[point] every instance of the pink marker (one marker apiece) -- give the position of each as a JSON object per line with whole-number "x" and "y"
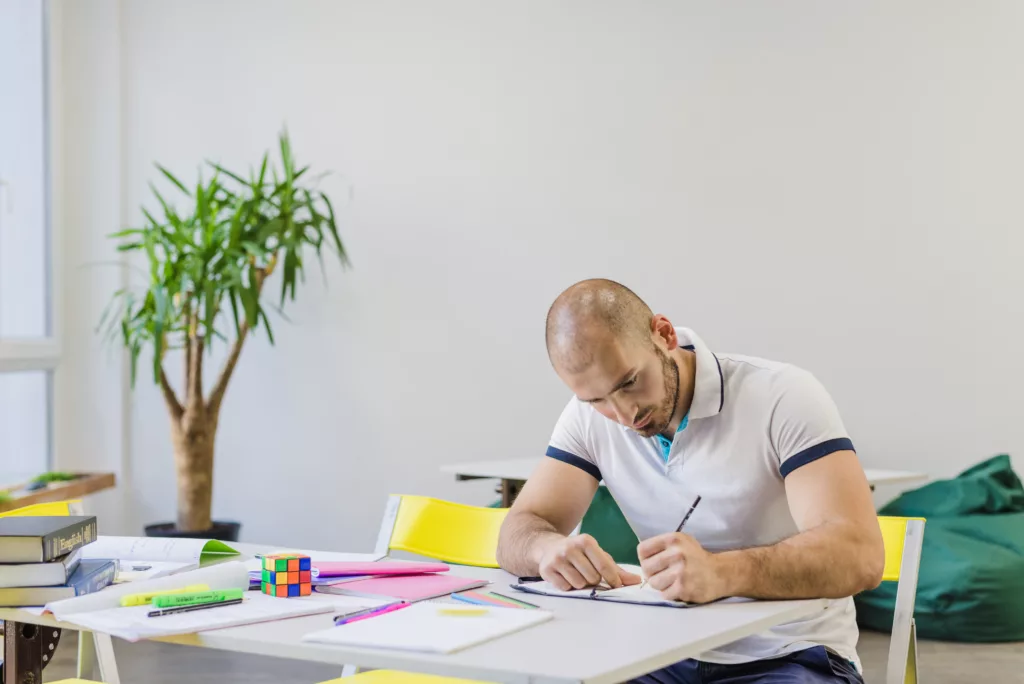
{"x": 391, "y": 607}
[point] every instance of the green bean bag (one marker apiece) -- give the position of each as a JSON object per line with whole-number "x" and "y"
{"x": 971, "y": 582}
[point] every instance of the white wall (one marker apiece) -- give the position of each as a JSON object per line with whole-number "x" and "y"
{"x": 832, "y": 185}
{"x": 90, "y": 417}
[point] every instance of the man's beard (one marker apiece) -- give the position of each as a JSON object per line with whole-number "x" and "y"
{"x": 662, "y": 416}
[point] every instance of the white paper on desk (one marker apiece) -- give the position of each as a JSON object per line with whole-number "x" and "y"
{"x": 151, "y": 549}
{"x": 332, "y": 556}
{"x": 230, "y": 575}
{"x": 133, "y": 624}
{"x": 632, "y": 594}
{"x": 424, "y": 628}
{"x": 128, "y": 572}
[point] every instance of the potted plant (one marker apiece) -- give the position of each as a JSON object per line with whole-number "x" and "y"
{"x": 208, "y": 264}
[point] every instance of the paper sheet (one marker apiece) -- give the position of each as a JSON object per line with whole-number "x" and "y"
{"x": 422, "y": 627}
{"x": 156, "y": 549}
{"x": 222, "y": 576}
{"x": 138, "y": 571}
{"x": 328, "y": 556}
{"x": 631, "y": 594}
{"x": 133, "y": 624}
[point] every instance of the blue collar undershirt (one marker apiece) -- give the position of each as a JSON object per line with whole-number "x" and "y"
{"x": 665, "y": 443}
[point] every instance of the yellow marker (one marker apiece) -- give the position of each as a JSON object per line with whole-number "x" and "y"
{"x": 145, "y": 599}
{"x": 468, "y": 612}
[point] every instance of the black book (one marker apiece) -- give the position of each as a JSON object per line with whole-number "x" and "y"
{"x": 31, "y": 539}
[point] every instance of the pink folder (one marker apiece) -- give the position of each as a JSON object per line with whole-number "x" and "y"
{"x": 404, "y": 587}
{"x": 358, "y": 568}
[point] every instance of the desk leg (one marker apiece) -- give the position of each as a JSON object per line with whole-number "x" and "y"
{"x": 27, "y": 649}
{"x": 105, "y": 658}
{"x": 509, "y": 491}
{"x": 86, "y": 655}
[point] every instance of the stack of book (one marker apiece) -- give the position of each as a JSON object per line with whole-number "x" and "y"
{"x": 41, "y": 560}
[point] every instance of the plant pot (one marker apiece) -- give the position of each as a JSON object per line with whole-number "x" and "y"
{"x": 221, "y": 531}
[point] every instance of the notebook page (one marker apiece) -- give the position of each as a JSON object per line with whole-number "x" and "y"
{"x": 423, "y": 627}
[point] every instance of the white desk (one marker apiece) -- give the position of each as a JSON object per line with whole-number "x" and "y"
{"x": 587, "y": 641}
{"x": 516, "y": 470}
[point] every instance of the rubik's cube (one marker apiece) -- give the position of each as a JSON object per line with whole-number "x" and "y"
{"x": 286, "y": 575}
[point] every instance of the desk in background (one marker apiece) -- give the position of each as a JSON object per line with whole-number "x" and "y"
{"x": 514, "y": 472}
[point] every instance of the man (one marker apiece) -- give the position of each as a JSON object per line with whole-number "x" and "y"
{"x": 785, "y": 509}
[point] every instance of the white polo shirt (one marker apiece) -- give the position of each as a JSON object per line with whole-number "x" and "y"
{"x": 751, "y": 423}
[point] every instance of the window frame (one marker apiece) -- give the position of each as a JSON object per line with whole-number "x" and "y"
{"x": 28, "y": 354}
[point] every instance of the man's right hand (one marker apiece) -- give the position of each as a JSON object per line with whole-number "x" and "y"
{"x": 577, "y": 562}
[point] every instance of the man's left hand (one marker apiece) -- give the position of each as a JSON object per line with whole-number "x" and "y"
{"x": 678, "y": 566}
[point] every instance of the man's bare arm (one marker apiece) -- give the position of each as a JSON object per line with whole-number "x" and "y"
{"x": 839, "y": 550}
{"x": 535, "y": 536}
{"x": 547, "y": 510}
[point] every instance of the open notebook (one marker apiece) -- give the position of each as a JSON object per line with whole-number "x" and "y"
{"x": 633, "y": 594}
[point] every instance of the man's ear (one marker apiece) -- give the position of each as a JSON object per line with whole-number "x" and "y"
{"x": 664, "y": 333}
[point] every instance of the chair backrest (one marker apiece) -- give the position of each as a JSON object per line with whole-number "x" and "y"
{"x": 446, "y": 531}
{"x": 54, "y": 508}
{"x": 902, "y": 538}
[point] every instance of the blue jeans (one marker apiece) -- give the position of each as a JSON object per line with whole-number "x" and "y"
{"x": 815, "y": 665}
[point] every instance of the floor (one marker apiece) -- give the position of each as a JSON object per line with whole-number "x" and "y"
{"x": 152, "y": 663}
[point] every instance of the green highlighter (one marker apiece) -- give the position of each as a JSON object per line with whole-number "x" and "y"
{"x": 195, "y": 598}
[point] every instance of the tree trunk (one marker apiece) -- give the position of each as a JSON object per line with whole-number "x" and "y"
{"x": 193, "y": 437}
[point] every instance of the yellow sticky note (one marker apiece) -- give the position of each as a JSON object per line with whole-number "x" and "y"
{"x": 462, "y": 612}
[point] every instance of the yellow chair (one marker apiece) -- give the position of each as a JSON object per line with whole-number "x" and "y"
{"x": 61, "y": 508}
{"x": 446, "y": 531}
{"x": 903, "y": 538}
{"x": 393, "y": 677}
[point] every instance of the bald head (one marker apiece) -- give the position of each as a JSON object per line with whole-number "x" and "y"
{"x": 590, "y": 313}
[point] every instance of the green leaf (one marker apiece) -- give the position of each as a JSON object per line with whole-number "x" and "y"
{"x": 233, "y": 298}
{"x": 333, "y": 228}
{"x": 233, "y": 176}
{"x": 170, "y": 177}
{"x": 286, "y": 158}
{"x": 266, "y": 322}
{"x": 210, "y": 306}
{"x": 263, "y": 170}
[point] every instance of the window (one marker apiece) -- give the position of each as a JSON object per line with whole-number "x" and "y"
{"x": 28, "y": 348}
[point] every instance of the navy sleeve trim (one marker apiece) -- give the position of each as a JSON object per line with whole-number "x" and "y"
{"x": 814, "y": 453}
{"x": 574, "y": 460}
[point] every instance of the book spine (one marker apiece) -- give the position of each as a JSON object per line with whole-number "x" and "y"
{"x": 67, "y": 540}
{"x": 97, "y": 580}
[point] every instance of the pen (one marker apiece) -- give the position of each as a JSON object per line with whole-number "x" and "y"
{"x": 688, "y": 513}
{"x": 680, "y": 528}
{"x": 187, "y": 609}
{"x": 530, "y": 579}
{"x": 362, "y": 615}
